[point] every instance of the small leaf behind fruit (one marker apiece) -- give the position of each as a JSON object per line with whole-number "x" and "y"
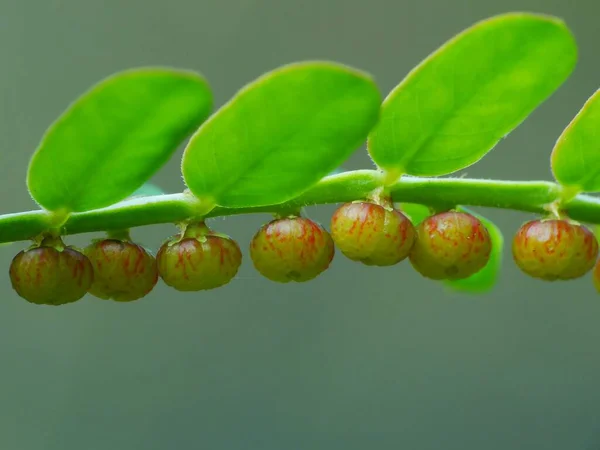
{"x": 115, "y": 137}
{"x": 463, "y": 99}
{"x": 484, "y": 280}
{"x": 281, "y": 134}
{"x": 415, "y": 212}
{"x": 576, "y": 155}
{"x": 146, "y": 190}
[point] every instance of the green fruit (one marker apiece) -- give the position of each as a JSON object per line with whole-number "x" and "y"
{"x": 372, "y": 234}
{"x": 554, "y": 249}
{"x": 198, "y": 260}
{"x": 49, "y": 276}
{"x": 123, "y": 271}
{"x": 450, "y": 246}
{"x": 291, "y": 249}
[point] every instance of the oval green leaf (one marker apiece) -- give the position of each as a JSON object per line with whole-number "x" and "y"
{"x": 281, "y": 134}
{"x": 463, "y": 99}
{"x": 484, "y": 280}
{"x": 576, "y": 155}
{"x": 115, "y": 137}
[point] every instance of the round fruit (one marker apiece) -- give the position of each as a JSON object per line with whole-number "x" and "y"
{"x": 554, "y": 249}
{"x": 372, "y": 234}
{"x": 123, "y": 271}
{"x": 198, "y": 260}
{"x": 47, "y": 276}
{"x": 291, "y": 249}
{"x": 450, "y": 246}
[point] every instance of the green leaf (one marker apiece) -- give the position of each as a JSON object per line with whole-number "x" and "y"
{"x": 484, "y": 280}
{"x": 336, "y": 171}
{"x": 576, "y": 155}
{"x": 281, "y": 134}
{"x": 596, "y": 230}
{"x": 115, "y": 137}
{"x": 463, "y": 99}
{"x": 415, "y": 212}
{"x": 146, "y": 190}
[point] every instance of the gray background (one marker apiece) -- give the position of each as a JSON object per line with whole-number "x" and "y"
{"x": 360, "y": 358}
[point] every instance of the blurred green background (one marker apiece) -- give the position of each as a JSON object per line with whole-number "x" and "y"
{"x": 361, "y": 358}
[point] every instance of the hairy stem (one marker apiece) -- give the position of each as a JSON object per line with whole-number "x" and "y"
{"x": 530, "y": 196}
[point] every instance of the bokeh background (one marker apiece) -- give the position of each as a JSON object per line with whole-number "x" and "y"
{"x": 360, "y": 358}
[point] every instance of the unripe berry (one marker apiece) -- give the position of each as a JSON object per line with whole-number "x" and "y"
{"x": 123, "y": 271}
{"x": 372, "y": 234}
{"x": 450, "y": 246}
{"x": 554, "y": 249}
{"x": 46, "y": 275}
{"x": 198, "y": 260}
{"x": 291, "y": 249}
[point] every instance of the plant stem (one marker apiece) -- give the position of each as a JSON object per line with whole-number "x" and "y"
{"x": 530, "y": 196}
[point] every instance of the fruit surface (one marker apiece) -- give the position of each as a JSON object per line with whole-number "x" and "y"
{"x": 372, "y": 234}
{"x": 554, "y": 249}
{"x": 291, "y": 249}
{"x": 123, "y": 271}
{"x": 199, "y": 263}
{"x": 47, "y": 276}
{"x": 450, "y": 246}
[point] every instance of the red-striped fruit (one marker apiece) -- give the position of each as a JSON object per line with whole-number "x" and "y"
{"x": 123, "y": 271}
{"x": 372, "y": 234}
{"x": 450, "y": 246}
{"x": 554, "y": 249}
{"x": 291, "y": 249}
{"x": 198, "y": 260}
{"x": 46, "y": 275}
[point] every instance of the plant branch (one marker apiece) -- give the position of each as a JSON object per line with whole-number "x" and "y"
{"x": 529, "y": 196}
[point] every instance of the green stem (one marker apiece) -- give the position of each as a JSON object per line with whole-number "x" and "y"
{"x": 530, "y": 196}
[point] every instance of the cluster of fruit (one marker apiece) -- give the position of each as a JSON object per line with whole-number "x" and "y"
{"x": 446, "y": 246}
